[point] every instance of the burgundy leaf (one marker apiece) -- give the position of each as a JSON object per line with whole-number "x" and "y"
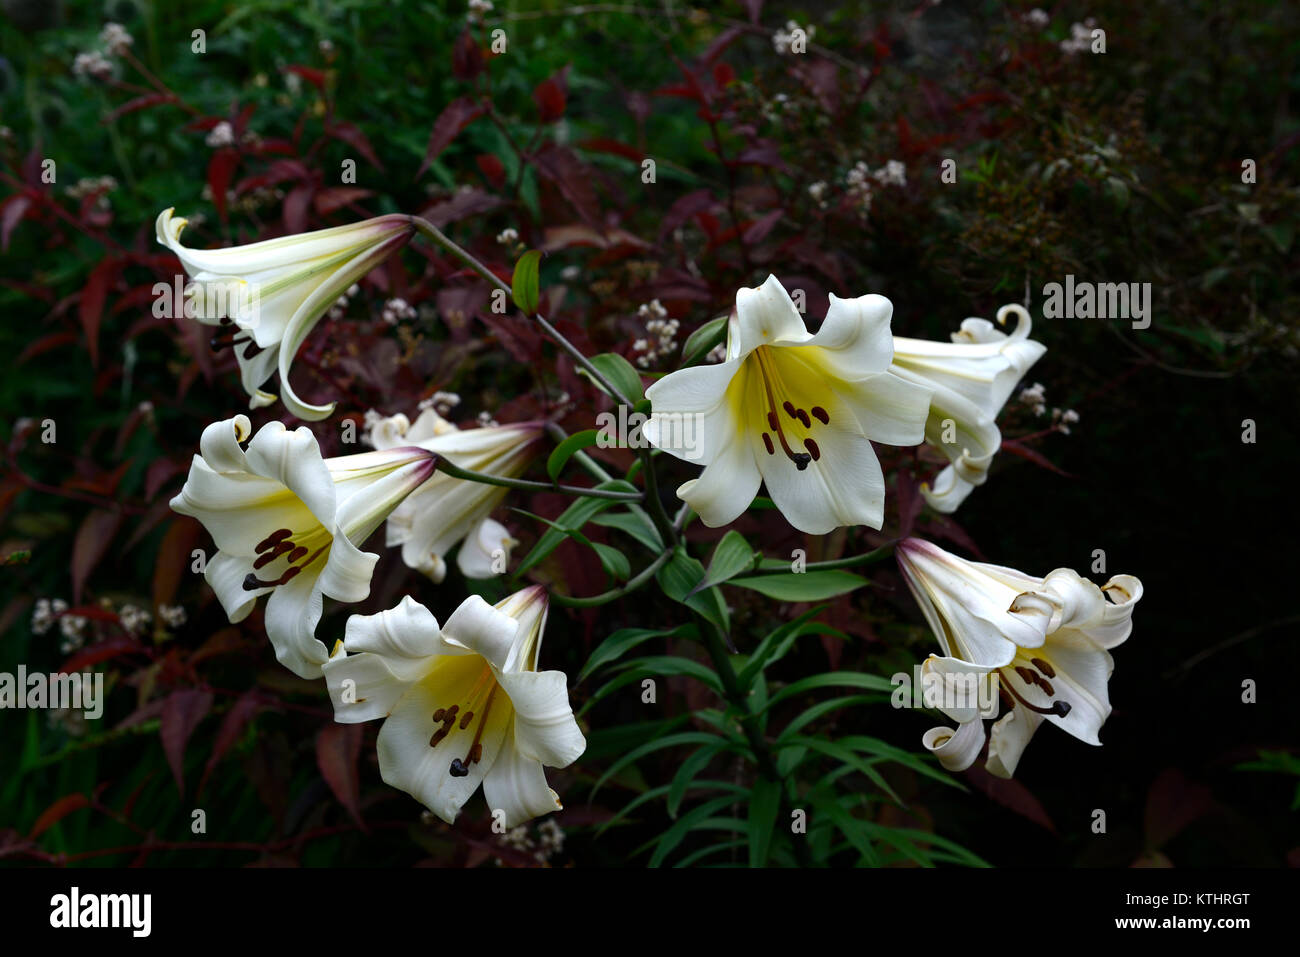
{"x": 57, "y": 812}
{"x": 232, "y": 725}
{"x": 338, "y": 746}
{"x": 15, "y": 208}
{"x": 181, "y": 714}
{"x": 457, "y": 115}
{"x": 353, "y": 136}
{"x": 93, "y": 538}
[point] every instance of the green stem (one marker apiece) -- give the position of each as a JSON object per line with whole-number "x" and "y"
{"x": 441, "y": 238}
{"x": 455, "y": 471}
{"x": 606, "y": 597}
{"x": 749, "y": 723}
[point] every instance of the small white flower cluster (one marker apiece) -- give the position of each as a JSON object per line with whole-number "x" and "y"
{"x": 1037, "y": 18}
{"x": 477, "y": 10}
{"x": 88, "y": 186}
{"x": 1080, "y": 37}
{"x": 395, "y": 310}
{"x": 72, "y": 720}
{"x": 717, "y": 353}
{"x": 858, "y": 180}
{"x": 93, "y": 63}
{"x": 72, "y": 627}
{"x": 819, "y": 191}
{"x": 115, "y": 38}
{"x": 1035, "y": 396}
{"x": 440, "y": 402}
{"x": 662, "y": 328}
{"x": 893, "y": 173}
{"x": 340, "y": 307}
{"x": 549, "y": 841}
{"x": 783, "y": 40}
{"x": 570, "y": 273}
{"x": 223, "y": 134}
{"x": 778, "y": 106}
{"x": 486, "y": 421}
{"x": 508, "y": 237}
{"x": 173, "y": 616}
{"x": 1062, "y": 420}
{"x": 134, "y": 619}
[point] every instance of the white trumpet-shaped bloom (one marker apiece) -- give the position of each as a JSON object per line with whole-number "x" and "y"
{"x": 1047, "y": 640}
{"x": 463, "y": 704}
{"x": 970, "y": 380}
{"x": 270, "y": 295}
{"x": 795, "y": 411}
{"x": 446, "y": 510}
{"x": 289, "y": 523}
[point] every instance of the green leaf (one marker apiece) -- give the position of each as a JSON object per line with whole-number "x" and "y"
{"x": 851, "y": 828}
{"x": 621, "y": 374}
{"x": 635, "y": 523}
{"x": 614, "y": 562}
{"x": 665, "y": 843}
{"x": 833, "y": 679}
{"x": 732, "y": 556}
{"x": 764, "y": 802}
{"x": 834, "y": 749}
{"x": 667, "y": 741}
{"x": 808, "y": 586}
{"x": 811, "y": 714}
{"x": 702, "y": 340}
{"x": 776, "y": 644}
{"x": 692, "y": 766}
{"x": 564, "y": 451}
{"x": 678, "y": 579}
{"x": 524, "y": 284}
{"x": 623, "y": 641}
{"x": 573, "y": 517}
{"x": 654, "y": 667}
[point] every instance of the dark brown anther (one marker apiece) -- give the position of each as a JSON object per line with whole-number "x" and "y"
{"x": 437, "y": 737}
{"x": 789, "y": 409}
{"x": 767, "y": 442}
{"x": 813, "y": 449}
{"x": 296, "y": 554}
{"x": 437, "y": 715}
{"x": 465, "y": 719}
{"x": 820, "y": 415}
{"x": 272, "y": 539}
{"x": 1029, "y": 676}
{"x": 271, "y": 554}
{"x": 1046, "y": 686}
{"x": 452, "y": 712}
{"x": 458, "y": 768}
{"x": 1043, "y": 666}
{"x": 803, "y": 417}
{"x": 771, "y": 421}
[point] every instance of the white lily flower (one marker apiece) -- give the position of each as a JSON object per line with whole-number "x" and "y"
{"x": 971, "y": 379}
{"x": 271, "y": 294}
{"x": 289, "y": 523}
{"x": 795, "y": 411}
{"x": 464, "y": 704}
{"x": 446, "y": 510}
{"x": 1046, "y": 639}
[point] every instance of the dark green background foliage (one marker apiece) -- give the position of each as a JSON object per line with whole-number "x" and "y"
{"x": 1122, "y": 167}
